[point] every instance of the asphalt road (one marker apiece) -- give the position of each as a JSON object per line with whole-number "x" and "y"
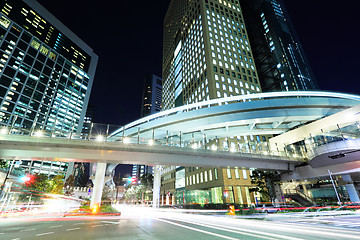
{"x": 161, "y": 226}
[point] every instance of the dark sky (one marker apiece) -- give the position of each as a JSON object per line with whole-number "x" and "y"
{"x": 127, "y": 37}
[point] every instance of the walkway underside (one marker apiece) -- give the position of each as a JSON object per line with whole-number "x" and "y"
{"x": 52, "y": 149}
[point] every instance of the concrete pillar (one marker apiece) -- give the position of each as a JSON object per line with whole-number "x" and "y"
{"x": 98, "y": 184}
{"x": 278, "y": 193}
{"x": 70, "y": 170}
{"x": 156, "y": 186}
{"x": 167, "y": 201}
{"x": 350, "y": 188}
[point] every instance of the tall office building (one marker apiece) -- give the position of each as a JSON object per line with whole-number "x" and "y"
{"x": 206, "y": 55}
{"x": 278, "y": 54}
{"x": 46, "y": 75}
{"x": 151, "y": 101}
{"x": 151, "y": 104}
{"x": 220, "y": 48}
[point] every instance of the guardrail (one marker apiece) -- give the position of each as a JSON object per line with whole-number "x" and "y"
{"x": 347, "y": 136}
{"x": 100, "y": 133}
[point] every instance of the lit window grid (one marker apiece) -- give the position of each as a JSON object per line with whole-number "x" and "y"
{"x": 228, "y": 52}
{"x": 67, "y": 105}
{"x": 194, "y": 58}
{"x": 195, "y": 65}
{"x": 42, "y": 29}
{"x": 49, "y": 168}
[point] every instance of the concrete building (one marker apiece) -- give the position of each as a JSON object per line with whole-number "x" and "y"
{"x": 207, "y": 55}
{"x": 46, "y": 75}
{"x": 212, "y": 50}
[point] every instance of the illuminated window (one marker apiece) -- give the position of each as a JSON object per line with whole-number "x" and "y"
{"x": 244, "y": 174}
{"x": 52, "y": 55}
{"x": 4, "y": 22}
{"x": 237, "y": 175}
{"x": 44, "y": 50}
{"x": 35, "y": 44}
{"x": 228, "y": 172}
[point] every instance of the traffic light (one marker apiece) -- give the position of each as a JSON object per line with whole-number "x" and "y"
{"x": 27, "y": 179}
{"x": 133, "y": 180}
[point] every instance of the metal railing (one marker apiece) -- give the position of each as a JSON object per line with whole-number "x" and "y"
{"x": 347, "y": 134}
{"x": 190, "y": 141}
{"x": 300, "y": 193}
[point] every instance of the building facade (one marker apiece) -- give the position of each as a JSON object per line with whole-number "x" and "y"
{"x": 278, "y": 54}
{"x": 151, "y": 104}
{"x": 207, "y": 55}
{"x": 151, "y": 101}
{"x": 210, "y": 54}
{"x": 46, "y": 75}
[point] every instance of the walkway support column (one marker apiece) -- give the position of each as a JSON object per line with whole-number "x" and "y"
{"x": 98, "y": 184}
{"x": 350, "y": 188}
{"x": 156, "y": 187}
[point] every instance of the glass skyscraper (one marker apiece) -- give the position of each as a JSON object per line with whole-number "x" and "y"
{"x": 221, "y": 48}
{"x": 46, "y": 74}
{"x": 278, "y": 54}
{"x": 151, "y": 104}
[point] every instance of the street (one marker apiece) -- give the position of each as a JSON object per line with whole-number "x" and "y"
{"x": 149, "y": 224}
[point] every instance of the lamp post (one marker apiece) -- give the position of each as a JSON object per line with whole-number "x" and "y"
{"x": 337, "y": 195}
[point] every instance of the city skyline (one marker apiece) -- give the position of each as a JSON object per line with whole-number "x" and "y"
{"x": 139, "y": 49}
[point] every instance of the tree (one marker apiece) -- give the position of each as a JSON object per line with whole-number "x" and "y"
{"x": 265, "y": 182}
{"x": 69, "y": 185}
{"x": 3, "y": 163}
{"x": 41, "y": 183}
{"x": 134, "y": 193}
{"x": 147, "y": 180}
{"x": 36, "y": 187}
{"x": 57, "y": 184}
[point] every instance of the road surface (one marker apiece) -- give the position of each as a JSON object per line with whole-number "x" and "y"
{"x": 146, "y": 224}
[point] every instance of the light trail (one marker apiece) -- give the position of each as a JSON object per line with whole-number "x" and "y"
{"x": 197, "y": 230}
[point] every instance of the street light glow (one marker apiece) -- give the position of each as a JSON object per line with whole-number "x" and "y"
{"x": 4, "y": 131}
{"x": 39, "y": 133}
{"x": 99, "y": 138}
{"x": 126, "y": 140}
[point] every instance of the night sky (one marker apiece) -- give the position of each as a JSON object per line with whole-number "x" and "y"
{"x": 127, "y": 37}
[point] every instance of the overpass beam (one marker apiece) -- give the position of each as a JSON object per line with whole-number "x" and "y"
{"x": 156, "y": 186}
{"x": 98, "y": 184}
